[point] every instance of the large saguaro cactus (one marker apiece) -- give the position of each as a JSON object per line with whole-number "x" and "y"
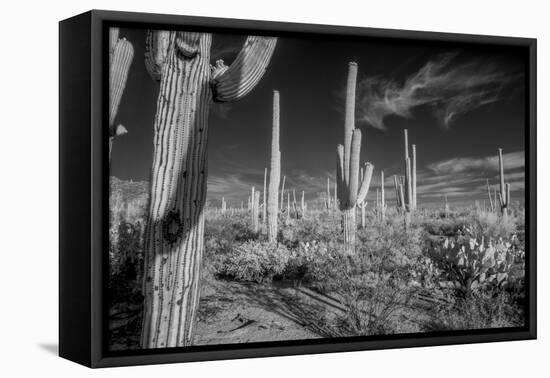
{"x": 121, "y": 54}
{"x": 274, "y": 175}
{"x": 180, "y": 61}
{"x": 347, "y": 166}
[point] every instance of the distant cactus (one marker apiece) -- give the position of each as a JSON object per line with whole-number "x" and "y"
{"x": 121, "y": 54}
{"x": 303, "y": 205}
{"x": 255, "y": 213}
{"x": 288, "y": 207}
{"x": 383, "y": 205}
{"x": 224, "y": 206}
{"x": 491, "y": 203}
{"x": 347, "y": 166}
{"x": 328, "y": 193}
{"x": 504, "y": 195}
{"x": 264, "y": 204}
{"x": 274, "y": 174}
{"x": 406, "y": 187}
{"x": 283, "y": 193}
{"x": 174, "y": 244}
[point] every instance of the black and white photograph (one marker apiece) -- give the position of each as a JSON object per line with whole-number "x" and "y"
{"x": 268, "y": 188}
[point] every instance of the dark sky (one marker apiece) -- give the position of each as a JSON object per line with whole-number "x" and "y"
{"x": 459, "y": 103}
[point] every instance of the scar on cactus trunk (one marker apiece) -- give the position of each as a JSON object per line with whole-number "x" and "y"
{"x": 174, "y": 235}
{"x": 347, "y": 166}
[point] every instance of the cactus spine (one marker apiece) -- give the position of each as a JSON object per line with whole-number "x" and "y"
{"x": 121, "y": 54}
{"x": 274, "y": 174}
{"x": 504, "y": 195}
{"x": 347, "y": 166}
{"x": 180, "y": 61}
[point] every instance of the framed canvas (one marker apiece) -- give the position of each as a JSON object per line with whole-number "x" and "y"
{"x": 233, "y": 188}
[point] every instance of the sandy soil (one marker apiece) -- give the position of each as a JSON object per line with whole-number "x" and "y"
{"x": 236, "y": 312}
{"x": 233, "y": 312}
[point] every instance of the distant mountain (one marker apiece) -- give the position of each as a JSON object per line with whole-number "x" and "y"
{"x": 130, "y": 190}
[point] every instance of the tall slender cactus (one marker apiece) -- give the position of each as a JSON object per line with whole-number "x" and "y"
{"x": 382, "y": 197}
{"x": 180, "y": 61}
{"x": 294, "y": 204}
{"x": 504, "y": 195}
{"x": 408, "y": 202}
{"x": 491, "y": 203}
{"x": 264, "y": 207}
{"x": 328, "y": 193}
{"x": 288, "y": 207}
{"x": 347, "y": 166}
{"x": 121, "y": 54}
{"x": 335, "y": 199}
{"x": 283, "y": 193}
{"x": 274, "y": 174}
{"x": 255, "y": 213}
{"x": 413, "y": 177}
{"x": 303, "y": 205}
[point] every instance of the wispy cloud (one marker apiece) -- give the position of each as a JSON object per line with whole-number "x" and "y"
{"x": 448, "y": 87}
{"x": 512, "y": 160}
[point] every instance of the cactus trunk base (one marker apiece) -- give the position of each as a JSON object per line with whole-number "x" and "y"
{"x": 407, "y": 220}
{"x": 349, "y": 227}
{"x": 172, "y": 287}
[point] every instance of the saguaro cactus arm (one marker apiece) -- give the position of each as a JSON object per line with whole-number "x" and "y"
{"x": 121, "y": 54}
{"x": 339, "y": 189}
{"x": 365, "y": 185}
{"x": 120, "y": 57}
{"x": 354, "y": 167}
{"x": 246, "y": 71}
{"x": 156, "y": 50}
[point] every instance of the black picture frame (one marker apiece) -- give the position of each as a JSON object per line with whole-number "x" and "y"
{"x": 83, "y": 196}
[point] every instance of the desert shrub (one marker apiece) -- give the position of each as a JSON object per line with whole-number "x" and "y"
{"x": 445, "y": 226}
{"x": 492, "y": 225}
{"x": 371, "y": 297}
{"x": 126, "y": 257}
{"x": 253, "y": 261}
{"x": 389, "y": 242}
{"x": 324, "y": 227}
{"x": 373, "y": 304}
{"x": 477, "y": 311}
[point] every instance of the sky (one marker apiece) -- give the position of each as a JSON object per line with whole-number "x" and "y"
{"x": 460, "y": 103}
